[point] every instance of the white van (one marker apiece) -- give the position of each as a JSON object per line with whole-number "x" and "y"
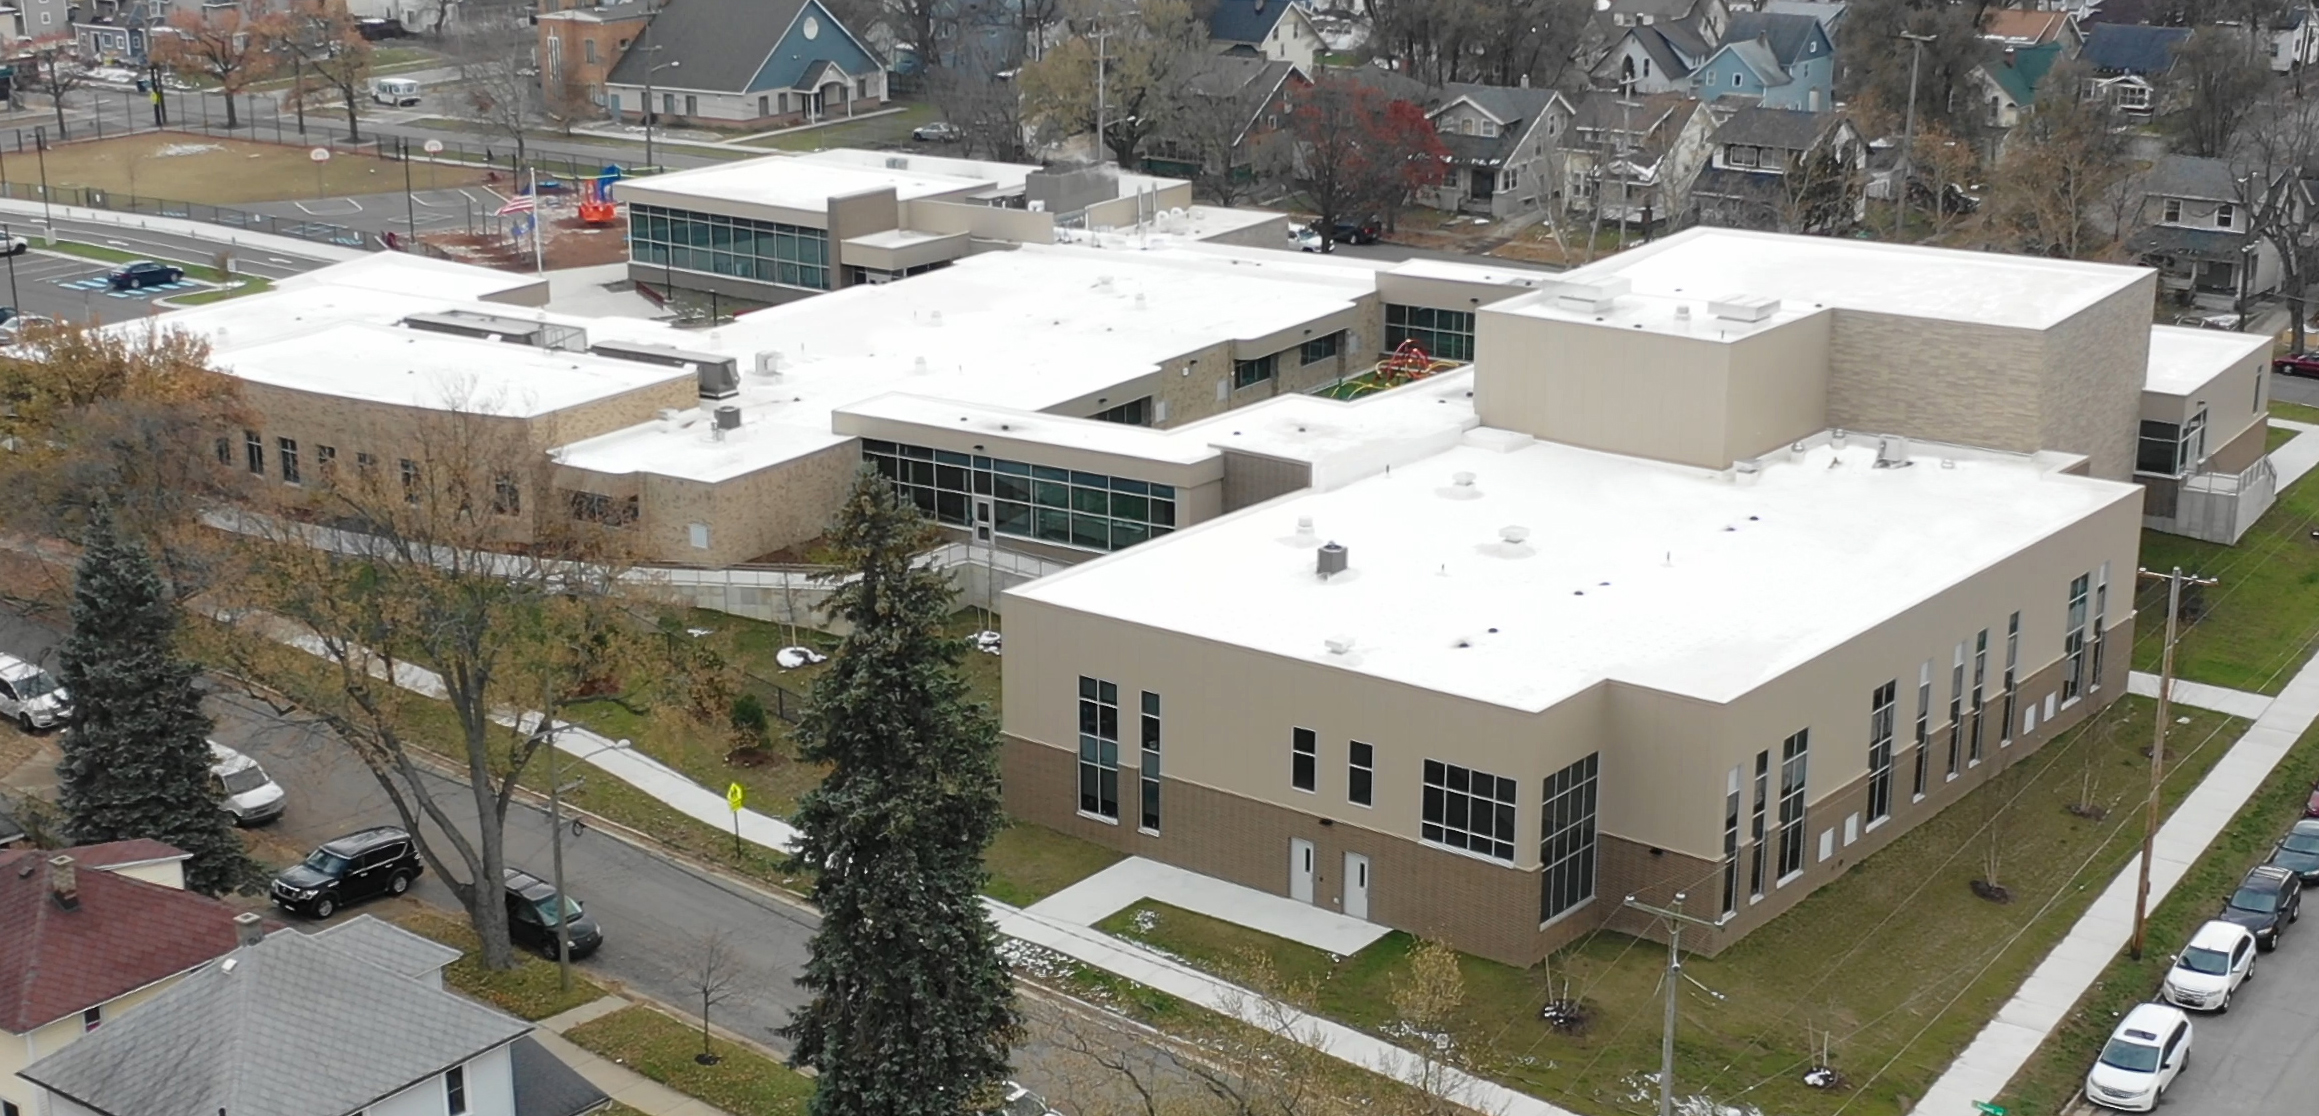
{"x": 399, "y": 92}
{"x": 31, "y": 697}
{"x": 251, "y": 797}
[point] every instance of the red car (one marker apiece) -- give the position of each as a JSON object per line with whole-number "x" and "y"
{"x": 2311, "y": 805}
{"x": 2297, "y": 364}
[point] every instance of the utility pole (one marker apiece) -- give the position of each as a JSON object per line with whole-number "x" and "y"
{"x": 1676, "y": 920}
{"x": 1101, "y": 34}
{"x": 1904, "y": 168}
{"x": 2174, "y": 583}
{"x": 1626, "y": 146}
{"x": 556, "y": 854}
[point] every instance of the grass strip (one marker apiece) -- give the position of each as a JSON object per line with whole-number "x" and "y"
{"x": 528, "y": 991}
{"x": 741, "y": 1081}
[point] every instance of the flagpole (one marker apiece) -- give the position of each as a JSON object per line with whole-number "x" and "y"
{"x": 539, "y": 255}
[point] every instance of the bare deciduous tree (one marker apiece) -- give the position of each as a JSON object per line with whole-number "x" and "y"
{"x": 217, "y": 44}
{"x": 709, "y": 974}
{"x": 494, "y": 59}
{"x": 325, "y": 40}
{"x": 2280, "y": 142}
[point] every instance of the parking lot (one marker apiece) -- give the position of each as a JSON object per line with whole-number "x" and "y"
{"x": 69, "y": 288}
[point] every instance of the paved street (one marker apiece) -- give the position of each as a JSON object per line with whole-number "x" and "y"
{"x": 2262, "y": 1058}
{"x": 2295, "y": 389}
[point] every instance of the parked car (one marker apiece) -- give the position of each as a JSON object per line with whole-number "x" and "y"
{"x": 2311, "y": 804}
{"x": 2297, "y": 364}
{"x": 2265, "y": 902}
{"x": 1308, "y": 240}
{"x": 531, "y": 915}
{"x": 244, "y": 788}
{"x": 358, "y": 866}
{"x": 1348, "y": 230}
{"x": 144, "y": 273}
{"x": 940, "y": 131}
{"x": 14, "y": 246}
{"x": 2219, "y": 319}
{"x": 2219, "y": 958}
{"x": 32, "y": 697}
{"x": 2298, "y": 851}
{"x": 395, "y": 91}
{"x": 1020, "y": 1102}
{"x": 2144, "y": 1055}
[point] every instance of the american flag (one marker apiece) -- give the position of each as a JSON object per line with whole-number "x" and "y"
{"x": 521, "y": 203}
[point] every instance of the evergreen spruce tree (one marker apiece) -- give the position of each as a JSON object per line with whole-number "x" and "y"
{"x": 913, "y": 1012}
{"x": 136, "y": 760}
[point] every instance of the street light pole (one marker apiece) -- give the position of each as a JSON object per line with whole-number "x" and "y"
{"x": 1676, "y": 920}
{"x": 650, "y": 52}
{"x": 410, "y": 208}
{"x": 1908, "y": 135}
{"x": 2174, "y": 583}
{"x": 8, "y": 243}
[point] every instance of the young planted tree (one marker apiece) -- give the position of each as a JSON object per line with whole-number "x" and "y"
{"x": 136, "y": 761}
{"x": 219, "y": 45}
{"x": 327, "y": 43}
{"x": 912, "y": 1013}
{"x": 53, "y": 80}
{"x": 496, "y": 78}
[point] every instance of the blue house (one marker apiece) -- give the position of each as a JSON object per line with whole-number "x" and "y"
{"x": 1783, "y": 60}
{"x": 746, "y": 63}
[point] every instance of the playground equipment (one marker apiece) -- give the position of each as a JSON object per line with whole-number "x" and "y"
{"x": 1407, "y": 363}
{"x": 596, "y": 206}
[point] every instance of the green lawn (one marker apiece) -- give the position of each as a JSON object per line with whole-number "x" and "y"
{"x": 2277, "y": 436}
{"x": 528, "y": 991}
{"x": 2295, "y": 411}
{"x": 890, "y": 130}
{"x": 2050, "y": 1078}
{"x": 2256, "y": 628}
{"x": 1030, "y": 862}
{"x": 1897, "y": 959}
{"x": 742, "y": 1082}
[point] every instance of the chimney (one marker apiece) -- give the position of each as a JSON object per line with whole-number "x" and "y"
{"x": 249, "y": 929}
{"x": 64, "y": 882}
{"x": 2008, "y": 56}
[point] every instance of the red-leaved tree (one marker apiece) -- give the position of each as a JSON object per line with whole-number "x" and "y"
{"x": 1353, "y": 151}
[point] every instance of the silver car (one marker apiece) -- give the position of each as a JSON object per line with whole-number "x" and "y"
{"x": 32, "y": 697}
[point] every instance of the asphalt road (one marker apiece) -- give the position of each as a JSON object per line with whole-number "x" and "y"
{"x": 2295, "y": 389}
{"x": 2262, "y": 1057}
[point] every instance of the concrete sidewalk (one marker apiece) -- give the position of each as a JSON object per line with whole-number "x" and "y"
{"x": 1135, "y": 879}
{"x": 623, "y": 1085}
{"x": 2199, "y": 695}
{"x": 2298, "y": 455}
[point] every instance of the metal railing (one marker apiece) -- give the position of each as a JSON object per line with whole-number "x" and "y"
{"x": 90, "y": 197}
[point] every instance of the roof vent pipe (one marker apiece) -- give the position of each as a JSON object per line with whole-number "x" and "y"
{"x": 1304, "y": 525}
{"x": 1892, "y": 452}
{"x": 1513, "y": 535}
{"x": 1462, "y": 480}
{"x": 728, "y": 418}
{"x": 1330, "y": 560}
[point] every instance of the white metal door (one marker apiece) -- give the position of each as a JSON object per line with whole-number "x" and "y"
{"x": 982, "y": 521}
{"x": 1300, "y": 856}
{"x": 1357, "y": 886}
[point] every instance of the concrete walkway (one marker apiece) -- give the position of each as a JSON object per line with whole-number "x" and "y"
{"x": 2199, "y": 695}
{"x": 2298, "y": 455}
{"x": 1135, "y": 879}
{"x": 623, "y": 1085}
{"x": 2003, "y": 1046}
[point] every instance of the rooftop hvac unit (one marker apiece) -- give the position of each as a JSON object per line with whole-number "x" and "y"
{"x": 1591, "y": 297}
{"x": 728, "y": 418}
{"x": 1744, "y": 308}
{"x": 495, "y": 327}
{"x": 1891, "y": 452}
{"x": 720, "y": 378}
{"x": 1330, "y": 560}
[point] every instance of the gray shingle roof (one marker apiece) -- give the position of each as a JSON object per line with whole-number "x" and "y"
{"x": 1785, "y": 32}
{"x": 722, "y": 43}
{"x": 1792, "y": 129}
{"x": 2123, "y": 48}
{"x": 1762, "y": 59}
{"x": 545, "y": 1086}
{"x": 388, "y": 946}
{"x": 1244, "y": 21}
{"x": 2197, "y": 244}
{"x": 2188, "y": 176}
{"x": 290, "y": 1026}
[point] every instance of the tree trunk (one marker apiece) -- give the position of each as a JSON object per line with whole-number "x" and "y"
{"x": 485, "y": 906}
{"x": 353, "y": 127}
{"x": 232, "y": 121}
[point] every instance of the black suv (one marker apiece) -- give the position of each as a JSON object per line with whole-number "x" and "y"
{"x": 381, "y": 861}
{"x": 2265, "y": 902}
{"x": 531, "y": 915}
{"x": 2298, "y": 851}
{"x": 144, "y": 273}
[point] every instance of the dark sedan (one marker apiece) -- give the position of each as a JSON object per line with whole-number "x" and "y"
{"x": 144, "y": 273}
{"x": 2265, "y": 902}
{"x": 532, "y": 912}
{"x": 2298, "y": 851}
{"x": 1347, "y": 231}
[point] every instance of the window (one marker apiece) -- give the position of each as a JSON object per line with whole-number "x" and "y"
{"x": 1923, "y": 727}
{"x": 2159, "y": 449}
{"x": 1151, "y": 762}
{"x": 2173, "y": 211}
{"x": 1303, "y": 759}
{"x": 1566, "y": 853}
{"x": 2012, "y": 682}
{"x": 1361, "y": 775}
{"x": 2073, "y": 641}
{"x": 366, "y": 465}
{"x": 1247, "y": 373}
{"x": 714, "y": 244}
{"x": 410, "y": 473}
{"x": 1980, "y": 681}
{"x": 668, "y": 103}
{"x": 1739, "y": 155}
{"x": 286, "y": 449}
{"x": 1066, "y": 507}
{"x": 1443, "y": 334}
{"x": 1320, "y": 348}
{"x": 1735, "y": 81}
{"x": 92, "y": 1019}
{"x": 764, "y": 106}
{"x": 2225, "y": 216}
{"x": 2101, "y": 614}
{"x": 2131, "y": 96}
{"x": 1134, "y": 412}
{"x": 1880, "y": 705}
{"x": 506, "y": 495}
{"x": 697, "y": 535}
{"x": 1731, "y": 842}
{"x": 2191, "y": 454}
{"x": 326, "y": 463}
{"x": 1956, "y": 709}
{"x": 588, "y": 51}
{"x": 1755, "y": 829}
{"x": 692, "y": 105}
{"x": 1099, "y": 748}
{"x": 254, "y": 449}
{"x": 1793, "y": 755}
{"x": 1468, "y": 809}
{"x": 595, "y": 507}
{"x": 455, "y": 1078}
{"x": 225, "y": 451}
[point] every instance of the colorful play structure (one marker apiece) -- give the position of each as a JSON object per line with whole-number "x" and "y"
{"x": 1407, "y": 363}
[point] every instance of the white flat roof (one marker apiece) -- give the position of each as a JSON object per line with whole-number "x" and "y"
{"x": 791, "y": 182}
{"x": 899, "y": 238}
{"x": 435, "y": 371}
{"x": 2026, "y": 292}
{"x": 2183, "y": 360}
{"x": 1673, "y": 315}
{"x": 1678, "y": 578}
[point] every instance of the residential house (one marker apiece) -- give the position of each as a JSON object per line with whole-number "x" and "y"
{"x": 1233, "y": 102}
{"x": 1765, "y": 171}
{"x": 2007, "y": 85}
{"x": 1635, "y": 159}
{"x": 80, "y": 946}
{"x": 738, "y": 63}
{"x": 2294, "y": 37}
{"x": 354, "y": 1020}
{"x": 1651, "y": 58}
{"x": 578, "y": 46}
{"x": 2193, "y": 228}
{"x": 1277, "y": 29}
{"x": 2016, "y": 27}
{"x": 1780, "y": 60}
{"x": 1830, "y": 13}
{"x": 1503, "y": 144}
{"x": 2128, "y": 61}
{"x": 1689, "y": 29}
{"x": 1706, "y": 17}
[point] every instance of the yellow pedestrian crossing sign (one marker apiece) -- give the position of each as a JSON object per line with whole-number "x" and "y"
{"x": 734, "y": 796}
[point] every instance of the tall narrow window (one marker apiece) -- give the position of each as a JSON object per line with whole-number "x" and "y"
{"x": 1923, "y": 729}
{"x": 506, "y": 495}
{"x": 455, "y": 1091}
{"x": 2012, "y": 677}
{"x": 410, "y": 474}
{"x": 2073, "y": 641}
{"x": 1151, "y": 762}
{"x": 1731, "y": 842}
{"x": 1880, "y": 705}
{"x": 1980, "y": 682}
{"x": 1755, "y": 834}
{"x": 225, "y": 457}
{"x": 2101, "y": 619}
{"x": 1099, "y": 748}
{"x": 1566, "y": 853}
{"x": 1361, "y": 775}
{"x": 1793, "y": 754}
{"x": 326, "y": 463}
{"x": 1303, "y": 759}
{"x": 255, "y": 448}
{"x": 286, "y": 451}
{"x": 1468, "y": 809}
{"x": 1956, "y": 710}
